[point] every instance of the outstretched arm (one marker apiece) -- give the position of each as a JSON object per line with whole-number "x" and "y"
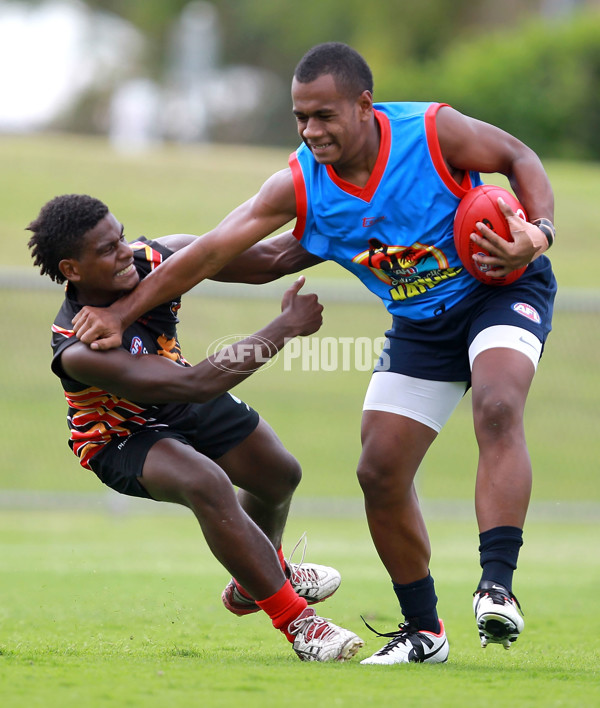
{"x": 469, "y": 144}
{"x": 268, "y": 260}
{"x": 273, "y": 207}
{"x": 149, "y": 378}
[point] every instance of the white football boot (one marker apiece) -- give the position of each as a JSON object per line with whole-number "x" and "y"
{"x": 498, "y": 614}
{"x": 318, "y": 639}
{"x": 313, "y": 582}
{"x": 412, "y": 646}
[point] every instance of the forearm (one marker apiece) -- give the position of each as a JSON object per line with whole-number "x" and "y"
{"x": 153, "y": 379}
{"x": 156, "y": 380}
{"x": 532, "y": 186}
{"x": 150, "y": 378}
{"x": 234, "y": 363}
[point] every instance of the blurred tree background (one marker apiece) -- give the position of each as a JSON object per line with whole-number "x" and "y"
{"x": 529, "y": 66}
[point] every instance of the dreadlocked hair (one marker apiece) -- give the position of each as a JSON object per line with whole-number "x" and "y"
{"x": 59, "y": 228}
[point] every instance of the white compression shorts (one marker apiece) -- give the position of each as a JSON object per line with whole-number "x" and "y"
{"x": 432, "y": 402}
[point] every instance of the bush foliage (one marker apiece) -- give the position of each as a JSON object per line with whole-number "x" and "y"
{"x": 541, "y": 83}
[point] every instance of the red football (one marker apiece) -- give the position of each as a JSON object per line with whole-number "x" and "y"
{"x": 481, "y": 204}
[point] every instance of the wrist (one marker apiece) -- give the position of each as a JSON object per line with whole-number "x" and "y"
{"x": 548, "y": 230}
{"x": 121, "y": 312}
{"x": 287, "y": 326}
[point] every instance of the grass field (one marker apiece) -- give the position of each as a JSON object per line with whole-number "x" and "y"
{"x": 121, "y": 607}
{"x": 103, "y": 610}
{"x": 316, "y": 413}
{"x": 190, "y": 188}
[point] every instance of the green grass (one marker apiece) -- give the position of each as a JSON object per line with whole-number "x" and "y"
{"x": 190, "y": 188}
{"x": 316, "y": 413}
{"x": 124, "y": 610}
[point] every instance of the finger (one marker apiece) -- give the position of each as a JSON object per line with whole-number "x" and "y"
{"x": 106, "y": 343}
{"x": 78, "y": 321}
{"x": 489, "y": 240}
{"x": 290, "y": 294}
{"x": 505, "y": 209}
{"x": 297, "y": 284}
{"x": 498, "y": 272}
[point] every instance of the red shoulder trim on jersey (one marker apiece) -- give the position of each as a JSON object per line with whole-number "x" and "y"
{"x": 436, "y": 154}
{"x": 366, "y": 193}
{"x": 301, "y": 200}
{"x": 152, "y": 256}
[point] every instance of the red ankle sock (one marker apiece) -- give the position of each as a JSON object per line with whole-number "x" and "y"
{"x": 281, "y": 559}
{"x": 283, "y": 607}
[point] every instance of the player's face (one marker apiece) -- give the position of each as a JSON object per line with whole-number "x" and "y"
{"x": 331, "y": 124}
{"x": 105, "y": 268}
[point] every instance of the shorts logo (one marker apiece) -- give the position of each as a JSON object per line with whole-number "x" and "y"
{"x": 137, "y": 346}
{"x": 522, "y": 308}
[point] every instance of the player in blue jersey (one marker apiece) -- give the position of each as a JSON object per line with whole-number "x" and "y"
{"x": 375, "y": 188}
{"x": 150, "y": 425}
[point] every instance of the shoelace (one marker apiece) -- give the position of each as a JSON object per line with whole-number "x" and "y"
{"x": 300, "y": 574}
{"x": 297, "y": 572}
{"x": 302, "y": 538}
{"x": 499, "y": 597}
{"x": 313, "y": 627}
{"x": 405, "y": 631}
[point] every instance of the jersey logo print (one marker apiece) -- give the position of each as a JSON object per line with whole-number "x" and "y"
{"x": 169, "y": 347}
{"x": 410, "y": 270}
{"x": 371, "y": 221}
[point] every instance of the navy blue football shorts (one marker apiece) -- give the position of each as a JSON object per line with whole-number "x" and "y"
{"x": 437, "y": 348}
{"x": 211, "y": 428}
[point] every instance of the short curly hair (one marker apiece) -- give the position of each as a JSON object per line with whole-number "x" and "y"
{"x": 351, "y": 72}
{"x": 59, "y": 228}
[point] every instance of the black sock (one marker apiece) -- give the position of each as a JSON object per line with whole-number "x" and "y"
{"x": 498, "y": 554}
{"x": 418, "y": 603}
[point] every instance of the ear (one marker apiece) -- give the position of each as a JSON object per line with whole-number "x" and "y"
{"x": 69, "y": 267}
{"x": 365, "y": 104}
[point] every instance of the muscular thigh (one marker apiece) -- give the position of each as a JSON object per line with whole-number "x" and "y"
{"x": 260, "y": 463}
{"x": 174, "y": 470}
{"x": 401, "y": 417}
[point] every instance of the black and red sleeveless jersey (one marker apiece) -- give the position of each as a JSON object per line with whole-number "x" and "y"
{"x": 95, "y": 417}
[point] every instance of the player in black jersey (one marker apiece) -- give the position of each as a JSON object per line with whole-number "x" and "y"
{"x": 150, "y": 425}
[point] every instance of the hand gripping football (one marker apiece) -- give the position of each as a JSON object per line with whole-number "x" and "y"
{"x": 481, "y": 204}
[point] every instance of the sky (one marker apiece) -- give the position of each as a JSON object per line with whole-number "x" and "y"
{"x": 50, "y": 53}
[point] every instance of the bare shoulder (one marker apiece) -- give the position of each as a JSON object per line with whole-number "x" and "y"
{"x": 454, "y": 128}
{"x": 471, "y": 144}
{"x": 277, "y": 193}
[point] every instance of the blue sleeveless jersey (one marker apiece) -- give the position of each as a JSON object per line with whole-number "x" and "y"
{"x": 395, "y": 233}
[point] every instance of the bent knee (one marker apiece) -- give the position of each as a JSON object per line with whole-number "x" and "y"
{"x": 283, "y": 480}
{"x": 382, "y": 482}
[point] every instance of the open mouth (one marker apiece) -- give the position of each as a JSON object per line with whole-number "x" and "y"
{"x": 125, "y": 271}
